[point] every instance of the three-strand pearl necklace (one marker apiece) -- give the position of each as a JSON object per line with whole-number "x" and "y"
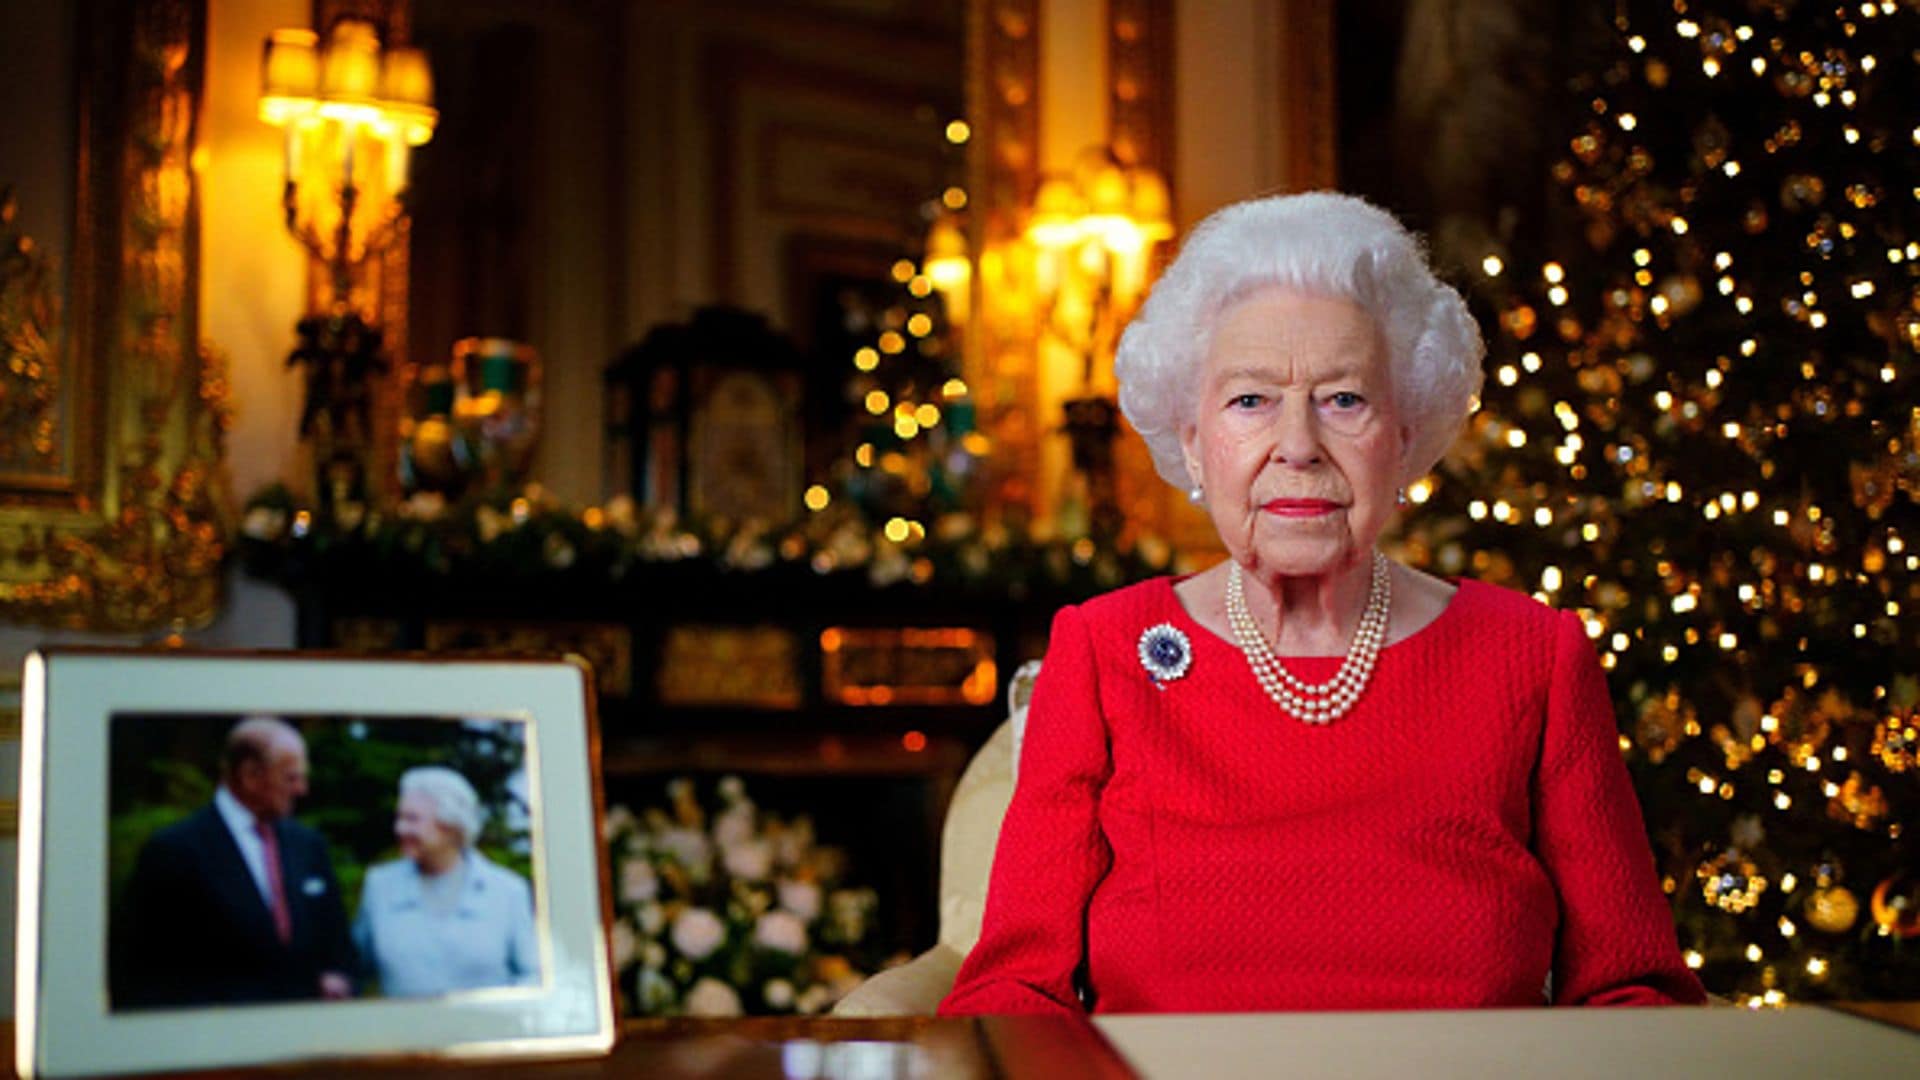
{"x": 1315, "y": 704}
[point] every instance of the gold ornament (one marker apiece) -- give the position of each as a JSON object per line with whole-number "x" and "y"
{"x": 1896, "y": 905}
{"x": 1662, "y": 723}
{"x": 1731, "y": 882}
{"x": 1710, "y": 142}
{"x": 1833, "y": 909}
{"x": 1737, "y": 751}
{"x": 1683, "y": 293}
{"x": 1800, "y": 727}
{"x": 1802, "y": 191}
{"x": 1896, "y": 742}
{"x": 1519, "y": 321}
{"x": 1872, "y": 486}
{"x": 1858, "y": 802}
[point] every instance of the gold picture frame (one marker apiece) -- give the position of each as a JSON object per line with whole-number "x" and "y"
{"x": 112, "y": 498}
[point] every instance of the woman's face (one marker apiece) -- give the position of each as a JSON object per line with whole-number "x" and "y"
{"x": 421, "y": 836}
{"x": 1296, "y": 443}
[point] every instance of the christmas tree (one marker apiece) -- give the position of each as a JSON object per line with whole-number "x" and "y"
{"x": 914, "y": 451}
{"x": 1701, "y": 432}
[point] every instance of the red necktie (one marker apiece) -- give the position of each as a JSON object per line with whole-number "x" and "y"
{"x": 282, "y": 915}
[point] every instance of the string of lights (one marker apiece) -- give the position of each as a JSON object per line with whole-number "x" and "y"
{"x": 1701, "y": 433}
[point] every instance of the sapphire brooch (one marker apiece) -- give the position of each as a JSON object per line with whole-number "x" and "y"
{"x": 1166, "y": 653}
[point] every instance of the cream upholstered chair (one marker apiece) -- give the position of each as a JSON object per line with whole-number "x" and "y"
{"x": 966, "y": 860}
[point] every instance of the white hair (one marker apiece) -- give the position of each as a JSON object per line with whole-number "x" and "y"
{"x": 1319, "y": 242}
{"x": 455, "y": 803}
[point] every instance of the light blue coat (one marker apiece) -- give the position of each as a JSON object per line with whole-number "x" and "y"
{"x": 488, "y": 940}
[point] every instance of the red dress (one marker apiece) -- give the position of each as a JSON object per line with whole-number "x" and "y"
{"x": 1465, "y": 836}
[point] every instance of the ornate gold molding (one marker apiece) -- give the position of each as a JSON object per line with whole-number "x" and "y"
{"x": 1003, "y": 104}
{"x": 1140, "y": 83}
{"x": 29, "y": 352}
{"x": 135, "y": 543}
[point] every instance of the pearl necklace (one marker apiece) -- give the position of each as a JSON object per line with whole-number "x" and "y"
{"x": 1315, "y": 704}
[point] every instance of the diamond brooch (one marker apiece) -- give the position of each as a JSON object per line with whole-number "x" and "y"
{"x": 1166, "y": 653}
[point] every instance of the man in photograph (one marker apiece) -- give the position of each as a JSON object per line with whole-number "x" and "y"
{"x": 238, "y": 902}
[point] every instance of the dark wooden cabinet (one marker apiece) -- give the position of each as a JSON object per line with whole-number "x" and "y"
{"x": 857, "y": 705}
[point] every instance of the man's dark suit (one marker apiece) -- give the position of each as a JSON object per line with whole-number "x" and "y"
{"x": 194, "y": 929}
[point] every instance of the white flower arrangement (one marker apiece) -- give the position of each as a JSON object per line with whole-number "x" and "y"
{"x": 730, "y": 913}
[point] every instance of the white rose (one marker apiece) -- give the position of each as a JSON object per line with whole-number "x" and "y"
{"x": 793, "y": 842}
{"x": 847, "y": 910}
{"x": 691, "y": 848}
{"x": 638, "y": 882}
{"x": 734, "y": 825}
{"x": 813, "y": 999}
{"x": 624, "y": 944}
{"x": 654, "y": 991}
{"x": 781, "y": 931}
{"x": 619, "y": 820}
{"x": 778, "y": 994}
{"x": 750, "y": 861}
{"x": 800, "y": 897}
{"x": 654, "y": 956}
{"x": 711, "y": 997}
{"x": 732, "y": 788}
{"x": 697, "y": 932}
{"x": 650, "y": 918}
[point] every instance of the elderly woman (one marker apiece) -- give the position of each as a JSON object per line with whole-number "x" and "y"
{"x": 1309, "y": 777}
{"x": 443, "y": 917}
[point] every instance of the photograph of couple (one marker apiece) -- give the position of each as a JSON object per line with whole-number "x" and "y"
{"x": 269, "y": 859}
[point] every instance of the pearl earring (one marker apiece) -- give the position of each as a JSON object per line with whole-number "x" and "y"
{"x": 1195, "y": 495}
{"x": 1400, "y": 496}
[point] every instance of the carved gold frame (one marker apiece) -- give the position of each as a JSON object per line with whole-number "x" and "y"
{"x": 126, "y": 526}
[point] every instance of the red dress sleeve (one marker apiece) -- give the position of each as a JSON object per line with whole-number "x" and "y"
{"x": 1051, "y": 852}
{"x": 1616, "y": 940}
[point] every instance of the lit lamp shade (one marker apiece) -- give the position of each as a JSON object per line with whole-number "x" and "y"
{"x": 405, "y": 78}
{"x": 1152, "y": 205}
{"x": 947, "y": 264}
{"x": 289, "y": 76}
{"x": 1109, "y": 202}
{"x": 1057, "y": 209}
{"x": 406, "y": 90}
{"x": 350, "y": 70}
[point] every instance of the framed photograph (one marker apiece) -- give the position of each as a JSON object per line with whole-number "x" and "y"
{"x": 231, "y": 858}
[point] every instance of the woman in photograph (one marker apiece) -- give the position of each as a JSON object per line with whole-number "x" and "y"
{"x": 1311, "y": 777}
{"x": 444, "y": 917}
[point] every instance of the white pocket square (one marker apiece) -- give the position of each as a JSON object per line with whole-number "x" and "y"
{"x": 313, "y": 886}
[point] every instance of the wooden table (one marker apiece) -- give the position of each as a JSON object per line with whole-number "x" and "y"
{"x": 1855, "y": 1040}
{"x": 787, "y": 1048}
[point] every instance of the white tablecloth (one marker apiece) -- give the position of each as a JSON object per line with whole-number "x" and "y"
{"x": 1694, "y": 1043}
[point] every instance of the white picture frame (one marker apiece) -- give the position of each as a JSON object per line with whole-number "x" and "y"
{"x": 74, "y": 700}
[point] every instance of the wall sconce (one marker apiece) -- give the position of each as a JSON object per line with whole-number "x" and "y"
{"x": 949, "y": 267}
{"x": 352, "y": 112}
{"x": 1093, "y": 232}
